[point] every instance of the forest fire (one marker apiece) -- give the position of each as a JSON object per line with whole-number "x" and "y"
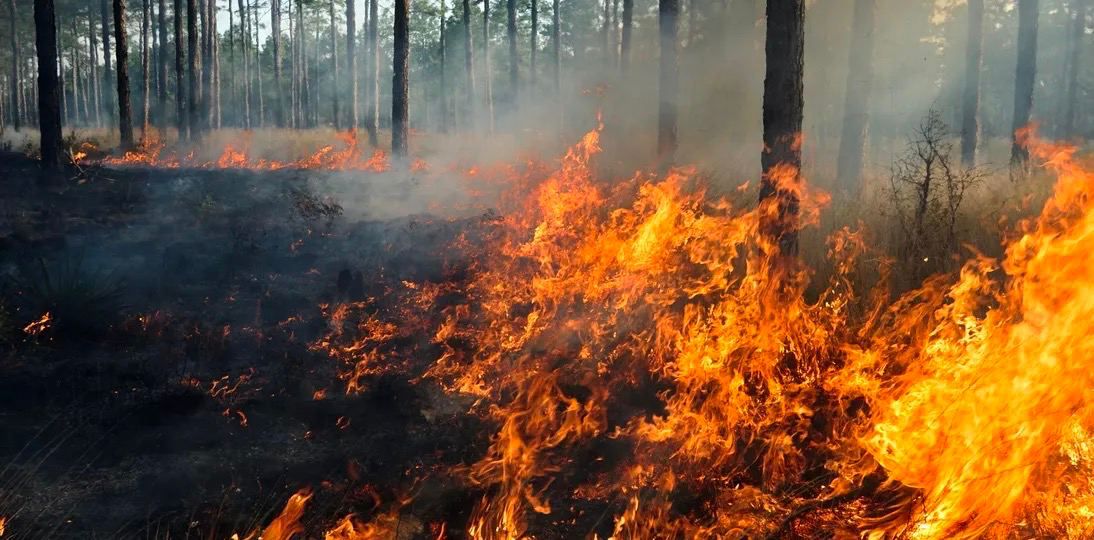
{"x": 645, "y": 316}
{"x": 343, "y": 156}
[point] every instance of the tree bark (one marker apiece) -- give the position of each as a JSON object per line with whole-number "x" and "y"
{"x": 305, "y": 87}
{"x": 244, "y": 49}
{"x": 275, "y": 30}
{"x": 400, "y": 83}
{"x": 1078, "y": 30}
{"x": 49, "y": 99}
{"x": 1024, "y": 75}
{"x": 121, "y": 59}
{"x": 104, "y": 22}
{"x": 783, "y": 104}
{"x": 192, "y": 75}
{"x": 856, "y": 107}
{"x": 667, "y": 12}
{"x": 970, "y": 102}
{"x": 514, "y": 56}
{"x": 214, "y": 68}
{"x": 15, "y": 88}
{"x": 161, "y": 96}
{"x": 261, "y": 121}
{"x": 351, "y": 62}
{"x": 625, "y": 38}
{"x": 180, "y": 86}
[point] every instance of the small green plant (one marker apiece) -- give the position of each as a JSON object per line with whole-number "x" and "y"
{"x": 81, "y": 302}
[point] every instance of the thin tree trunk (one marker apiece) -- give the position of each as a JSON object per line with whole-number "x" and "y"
{"x": 468, "y": 60}
{"x": 783, "y": 103}
{"x": 93, "y": 56}
{"x": 514, "y": 56}
{"x": 400, "y": 83}
{"x": 305, "y": 86}
{"x": 970, "y": 102}
{"x": 625, "y": 39}
{"x": 15, "y": 87}
{"x": 351, "y": 62}
{"x": 605, "y": 23}
{"x": 192, "y": 75}
{"x": 294, "y": 68}
{"x": 233, "y": 95}
{"x": 245, "y": 38}
{"x": 667, "y": 13}
{"x": 335, "y": 88}
{"x": 373, "y": 114}
{"x": 214, "y": 74}
{"x": 556, "y": 46}
{"x": 258, "y": 67}
{"x": 180, "y": 86}
{"x": 1025, "y": 73}
{"x": 279, "y": 100}
{"x": 1078, "y": 30}
{"x": 104, "y": 20}
{"x": 66, "y": 109}
{"x": 856, "y": 107}
{"x": 145, "y": 71}
{"x": 534, "y": 45}
{"x": 49, "y": 99}
{"x": 613, "y": 39}
{"x": 443, "y": 101}
{"x": 121, "y": 60}
{"x": 161, "y": 96}
{"x": 206, "y": 101}
{"x": 487, "y": 67}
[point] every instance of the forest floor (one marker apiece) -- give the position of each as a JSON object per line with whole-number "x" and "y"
{"x": 174, "y": 391}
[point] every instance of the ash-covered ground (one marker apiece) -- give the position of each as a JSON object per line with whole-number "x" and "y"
{"x": 174, "y": 391}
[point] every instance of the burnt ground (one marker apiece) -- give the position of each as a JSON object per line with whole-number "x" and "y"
{"x": 173, "y": 393}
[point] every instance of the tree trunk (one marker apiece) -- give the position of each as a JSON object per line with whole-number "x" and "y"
{"x": 305, "y": 87}
{"x": 244, "y": 49}
{"x": 15, "y": 88}
{"x": 214, "y": 68}
{"x": 351, "y": 62}
{"x": 441, "y": 46}
{"x": 604, "y": 29}
{"x": 1024, "y": 75}
{"x": 1078, "y": 30}
{"x": 856, "y": 107}
{"x": 335, "y": 90}
{"x": 258, "y": 67}
{"x": 468, "y": 60}
{"x": 205, "y": 103}
{"x": 400, "y": 83}
{"x": 93, "y": 57}
{"x": 667, "y": 12}
{"x": 180, "y": 87}
{"x": 534, "y": 45}
{"x": 161, "y": 96}
{"x": 104, "y": 23}
{"x": 192, "y": 75}
{"x": 625, "y": 38}
{"x": 783, "y": 103}
{"x": 556, "y": 46}
{"x": 488, "y": 74}
{"x": 514, "y": 56}
{"x": 373, "y": 114}
{"x": 275, "y": 30}
{"x": 49, "y": 99}
{"x": 970, "y": 102}
{"x": 121, "y": 57}
{"x": 145, "y": 71}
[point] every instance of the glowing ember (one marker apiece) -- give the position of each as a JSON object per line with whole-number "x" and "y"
{"x": 36, "y": 327}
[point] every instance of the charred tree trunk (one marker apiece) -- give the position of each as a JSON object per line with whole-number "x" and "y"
{"x": 49, "y": 98}
{"x": 783, "y": 103}
{"x": 400, "y": 81}
{"x": 468, "y": 60}
{"x": 121, "y": 59}
{"x": 145, "y": 71}
{"x": 625, "y": 36}
{"x": 1078, "y": 30}
{"x": 514, "y": 56}
{"x": 667, "y": 13}
{"x": 15, "y": 88}
{"x": 1024, "y": 75}
{"x": 351, "y": 62}
{"x": 970, "y": 102}
{"x": 488, "y": 70}
{"x": 180, "y": 85}
{"x": 373, "y": 114}
{"x": 856, "y": 108}
{"x": 192, "y": 75}
{"x": 161, "y": 96}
